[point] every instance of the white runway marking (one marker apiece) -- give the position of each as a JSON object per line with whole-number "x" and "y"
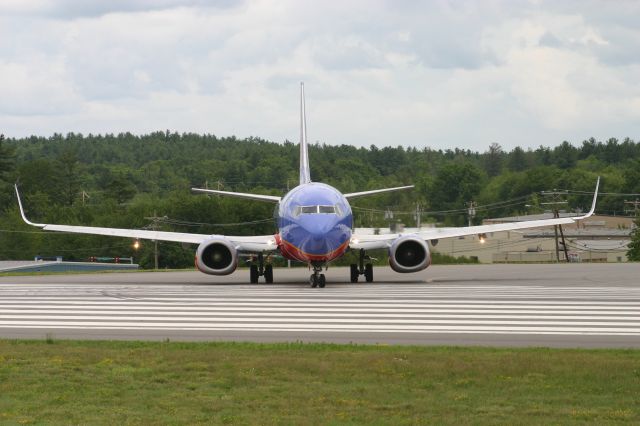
{"x": 416, "y": 308}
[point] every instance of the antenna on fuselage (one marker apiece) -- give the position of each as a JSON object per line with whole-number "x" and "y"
{"x": 305, "y": 173}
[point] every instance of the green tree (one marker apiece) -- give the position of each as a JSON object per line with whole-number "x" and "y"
{"x": 7, "y": 159}
{"x": 454, "y": 185}
{"x": 517, "y": 160}
{"x": 493, "y": 160}
{"x": 7, "y": 162}
{"x": 565, "y": 155}
{"x": 120, "y": 188}
{"x": 69, "y": 176}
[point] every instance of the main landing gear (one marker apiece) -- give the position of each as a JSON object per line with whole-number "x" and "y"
{"x": 362, "y": 269}
{"x": 261, "y": 269}
{"x": 317, "y": 279}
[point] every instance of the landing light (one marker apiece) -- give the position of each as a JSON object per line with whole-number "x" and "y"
{"x": 136, "y": 245}
{"x": 482, "y": 238}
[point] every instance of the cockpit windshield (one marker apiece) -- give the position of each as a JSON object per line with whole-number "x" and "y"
{"x": 326, "y": 209}
{"x": 318, "y": 209}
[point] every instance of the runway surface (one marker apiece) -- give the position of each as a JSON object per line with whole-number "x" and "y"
{"x": 575, "y": 305}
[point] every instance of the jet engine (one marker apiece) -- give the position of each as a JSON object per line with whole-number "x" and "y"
{"x": 409, "y": 253}
{"x": 216, "y": 256}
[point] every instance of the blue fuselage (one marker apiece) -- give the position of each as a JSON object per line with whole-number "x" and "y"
{"x": 315, "y": 223}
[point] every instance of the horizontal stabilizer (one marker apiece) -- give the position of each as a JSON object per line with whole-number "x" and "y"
{"x": 257, "y": 197}
{"x": 376, "y": 191}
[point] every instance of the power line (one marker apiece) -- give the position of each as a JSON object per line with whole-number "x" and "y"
{"x": 614, "y": 194}
{"x": 486, "y": 207}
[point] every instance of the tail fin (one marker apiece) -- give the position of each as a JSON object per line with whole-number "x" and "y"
{"x": 305, "y": 173}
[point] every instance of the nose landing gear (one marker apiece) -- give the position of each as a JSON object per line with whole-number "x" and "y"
{"x": 317, "y": 279}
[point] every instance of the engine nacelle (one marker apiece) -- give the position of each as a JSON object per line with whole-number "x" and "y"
{"x": 216, "y": 256}
{"x": 409, "y": 253}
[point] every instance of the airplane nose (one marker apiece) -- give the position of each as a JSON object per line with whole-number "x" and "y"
{"x": 320, "y": 230}
{"x": 320, "y": 238}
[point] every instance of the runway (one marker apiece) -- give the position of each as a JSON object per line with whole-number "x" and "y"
{"x": 575, "y": 305}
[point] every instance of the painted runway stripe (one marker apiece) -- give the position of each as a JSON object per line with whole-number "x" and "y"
{"x": 115, "y": 310}
{"x": 351, "y": 306}
{"x": 348, "y": 309}
{"x": 303, "y": 288}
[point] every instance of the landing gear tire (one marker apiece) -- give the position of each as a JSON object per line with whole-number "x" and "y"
{"x": 368, "y": 272}
{"x": 322, "y": 281}
{"x": 313, "y": 281}
{"x": 354, "y": 273}
{"x": 253, "y": 274}
{"x": 268, "y": 274}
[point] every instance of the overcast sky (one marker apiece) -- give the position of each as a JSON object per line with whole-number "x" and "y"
{"x": 442, "y": 74}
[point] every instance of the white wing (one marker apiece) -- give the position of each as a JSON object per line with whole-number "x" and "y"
{"x": 375, "y": 191}
{"x": 256, "y": 243}
{"x": 257, "y": 197}
{"x": 371, "y": 242}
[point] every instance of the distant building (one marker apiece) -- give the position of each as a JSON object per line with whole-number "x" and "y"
{"x": 599, "y": 238}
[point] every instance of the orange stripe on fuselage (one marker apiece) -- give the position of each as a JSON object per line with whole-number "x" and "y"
{"x": 292, "y": 252}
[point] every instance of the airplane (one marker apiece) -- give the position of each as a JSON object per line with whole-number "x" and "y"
{"x": 315, "y": 226}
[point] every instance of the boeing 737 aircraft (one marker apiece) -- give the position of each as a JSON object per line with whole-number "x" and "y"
{"x": 315, "y": 226}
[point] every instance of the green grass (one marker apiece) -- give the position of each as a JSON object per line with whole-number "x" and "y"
{"x": 91, "y": 382}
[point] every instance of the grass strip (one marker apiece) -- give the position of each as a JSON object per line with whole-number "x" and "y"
{"x": 104, "y": 382}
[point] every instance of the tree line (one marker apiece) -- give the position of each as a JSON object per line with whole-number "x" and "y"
{"x": 118, "y": 180}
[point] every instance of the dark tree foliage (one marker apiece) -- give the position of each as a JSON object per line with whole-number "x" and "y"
{"x": 517, "y": 160}
{"x": 493, "y": 160}
{"x": 6, "y": 159}
{"x": 565, "y": 155}
{"x": 455, "y": 184}
{"x": 119, "y": 179}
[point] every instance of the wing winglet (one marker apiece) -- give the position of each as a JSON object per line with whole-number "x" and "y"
{"x": 593, "y": 204}
{"x": 24, "y": 217}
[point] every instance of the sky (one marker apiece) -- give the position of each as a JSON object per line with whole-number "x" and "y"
{"x": 438, "y": 74}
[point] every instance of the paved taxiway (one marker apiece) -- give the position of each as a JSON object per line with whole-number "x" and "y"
{"x": 566, "y": 305}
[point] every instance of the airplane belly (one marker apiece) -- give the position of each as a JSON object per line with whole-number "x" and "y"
{"x": 308, "y": 248}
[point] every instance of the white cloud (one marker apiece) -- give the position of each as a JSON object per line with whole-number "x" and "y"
{"x": 443, "y": 74}
{"x": 40, "y": 87}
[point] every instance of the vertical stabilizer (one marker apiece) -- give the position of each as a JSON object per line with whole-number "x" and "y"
{"x": 305, "y": 174}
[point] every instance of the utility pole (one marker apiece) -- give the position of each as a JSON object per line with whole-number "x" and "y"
{"x": 84, "y": 196}
{"x": 154, "y": 225}
{"x": 471, "y": 211}
{"x": 417, "y": 216}
{"x": 557, "y": 199}
{"x": 388, "y": 215}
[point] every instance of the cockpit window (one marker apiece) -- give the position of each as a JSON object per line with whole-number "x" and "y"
{"x": 326, "y": 209}
{"x": 315, "y": 210}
